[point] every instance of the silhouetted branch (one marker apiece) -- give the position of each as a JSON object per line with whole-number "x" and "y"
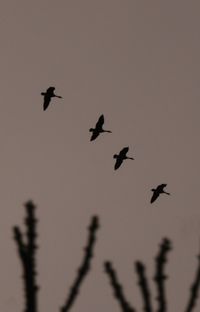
{"x": 117, "y": 288}
{"x": 143, "y": 284}
{"x": 27, "y": 256}
{"x": 85, "y": 266}
{"x": 20, "y": 244}
{"x": 159, "y": 279}
{"x": 160, "y": 276}
{"x": 194, "y": 289}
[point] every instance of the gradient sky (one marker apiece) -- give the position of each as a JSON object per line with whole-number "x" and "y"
{"x": 137, "y": 62}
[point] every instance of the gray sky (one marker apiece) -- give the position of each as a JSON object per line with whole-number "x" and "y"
{"x": 138, "y": 63}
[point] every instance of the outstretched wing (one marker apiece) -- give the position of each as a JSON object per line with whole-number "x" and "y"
{"x": 161, "y": 187}
{"x": 47, "y": 100}
{"x": 118, "y": 163}
{"x": 155, "y": 196}
{"x": 95, "y": 134}
{"x": 123, "y": 152}
{"x": 100, "y": 122}
{"x": 50, "y": 89}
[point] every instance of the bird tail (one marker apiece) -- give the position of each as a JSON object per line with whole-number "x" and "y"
{"x": 167, "y": 193}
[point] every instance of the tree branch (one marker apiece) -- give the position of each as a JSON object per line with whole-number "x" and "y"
{"x": 160, "y": 276}
{"x": 85, "y": 266}
{"x": 27, "y": 256}
{"x": 194, "y": 289}
{"x": 117, "y": 288}
{"x": 143, "y": 284}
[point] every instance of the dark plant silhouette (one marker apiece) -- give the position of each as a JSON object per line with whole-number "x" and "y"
{"x": 143, "y": 284}
{"x": 85, "y": 266}
{"x": 160, "y": 276}
{"x": 27, "y": 252}
{"x": 121, "y": 157}
{"x": 117, "y": 288}
{"x": 194, "y": 289}
{"x": 159, "y": 280}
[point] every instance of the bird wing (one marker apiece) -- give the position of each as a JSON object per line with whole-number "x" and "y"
{"x": 50, "y": 89}
{"x": 118, "y": 163}
{"x": 161, "y": 187}
{"x": 154, "y": 197}
{"x": 100, "y": 122}
{"x": 47, "y": 100}
{"x": 95, "y": 134}
{"x": 124, "y": 151}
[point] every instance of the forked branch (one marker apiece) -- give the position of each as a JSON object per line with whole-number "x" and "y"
{"x": 27, "y": 254}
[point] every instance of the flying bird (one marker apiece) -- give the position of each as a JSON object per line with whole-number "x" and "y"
{"x": 121, "y": 157}
{"x": 47, "y": 97}
{"x": 159, "y": 190}
{"x": 98, "y": 128}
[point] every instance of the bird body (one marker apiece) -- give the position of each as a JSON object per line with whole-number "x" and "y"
{"x": 159, "y": 190}
{"x": 98, "y": 128}
{"x": 121, "y": 157}
{"x": 47, "y": 97}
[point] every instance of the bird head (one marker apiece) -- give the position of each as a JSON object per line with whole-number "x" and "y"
{"x": 152, "y": 190}
{"x": 115, "y": 156}
{"x": 91, "y": 129}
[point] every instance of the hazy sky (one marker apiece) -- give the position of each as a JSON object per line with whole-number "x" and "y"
{"x": 137, "y": 62}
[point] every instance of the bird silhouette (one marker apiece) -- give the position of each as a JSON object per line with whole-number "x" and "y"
{"x": 98, "y": 128}
{"x": 159, "y": 190}
{"x": 121, "y": 157}
{"x": 47, "y": 97}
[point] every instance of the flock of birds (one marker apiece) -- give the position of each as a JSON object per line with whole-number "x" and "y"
{"x": 49, "y": 94}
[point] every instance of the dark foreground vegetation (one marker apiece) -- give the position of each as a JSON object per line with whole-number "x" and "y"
{"x": 27, "y": 248}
